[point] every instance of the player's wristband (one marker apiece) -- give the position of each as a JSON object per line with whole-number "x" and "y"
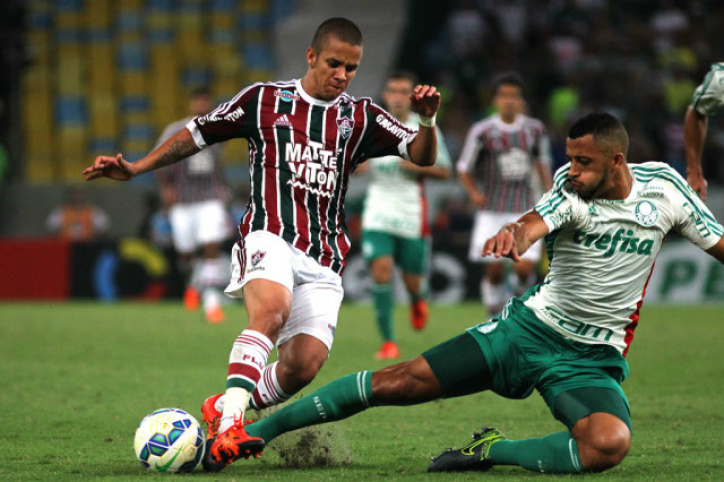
{"x": 428, "y": 121}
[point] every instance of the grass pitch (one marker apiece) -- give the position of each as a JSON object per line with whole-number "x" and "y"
{"x": 76, "y": 378}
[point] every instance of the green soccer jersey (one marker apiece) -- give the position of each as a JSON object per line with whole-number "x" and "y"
{"x": 708, "y": 98}
{"x": 395, "y": 201}
{"x": 602, "y": 252}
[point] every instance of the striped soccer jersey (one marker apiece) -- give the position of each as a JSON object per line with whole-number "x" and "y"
{"x": 500, "y": 156}
{"x": 199, "y": 177}
{"x": 708, "y": 98}
{"x": 301, "y": 152}
{"x": 395, "y": 201}
{"x": 602, "y": 252}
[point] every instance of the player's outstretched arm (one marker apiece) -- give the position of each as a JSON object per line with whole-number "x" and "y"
{"x": 425, "y": 102}
{"x": 695, "y": 126}
{"x": 514, "y": 239}
{"x": 178, "y": 147}
{"x": 717, "y": 250}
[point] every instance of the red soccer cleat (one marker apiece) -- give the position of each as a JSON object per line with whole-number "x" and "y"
{"x": 418, "y": 314}
{"x": 211, "y": 416}
{"x": 388, "y": 351}
{"x": 231, "y": 445}
{"x": 192, "y": 300}
{"x": 215, "y": 315}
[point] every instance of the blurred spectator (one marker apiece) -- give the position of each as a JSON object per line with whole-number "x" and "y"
{"x": 77, "y": 219}
{"x": 156, "y": 226}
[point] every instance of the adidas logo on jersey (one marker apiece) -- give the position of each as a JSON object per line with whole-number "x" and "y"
{"x": 622, "y": 241}
{"x": 283, "y": 121}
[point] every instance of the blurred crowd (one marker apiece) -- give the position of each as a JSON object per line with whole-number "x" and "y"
{"x": 640, "y": 60}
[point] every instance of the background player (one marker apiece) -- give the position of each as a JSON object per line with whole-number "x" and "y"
{"x": 305, "y": 137}
{"x": 604, "y": 222}
{"x": 196, "y": 195}
{"x": 395, "y": 227}
{"x": 500, "y": 154}
{"x": 708, "y": 100}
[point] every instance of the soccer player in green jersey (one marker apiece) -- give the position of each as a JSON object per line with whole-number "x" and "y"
{"x": 708, "y": 100}
{"x": 603, "y": 222}
{"x": 395, "y": 227}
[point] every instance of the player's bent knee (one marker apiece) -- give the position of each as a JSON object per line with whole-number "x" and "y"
{"x": 604, "y": 449}
{"x": 405, "y": 384}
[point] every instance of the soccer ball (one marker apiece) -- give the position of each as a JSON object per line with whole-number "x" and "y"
{"x": 169, "y": 440}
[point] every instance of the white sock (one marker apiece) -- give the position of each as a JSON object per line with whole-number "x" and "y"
{"x": 493, "y": 296}
{"x": 246, "y": 362}
{"x": 268, "y": 391}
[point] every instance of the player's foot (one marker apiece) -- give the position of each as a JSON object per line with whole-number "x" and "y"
{"x": 418, "y": 314}
{"x": 211, "y": 416}
{"x": 388, "y": 351}
{"x": 192, "y": 299}
{"x": 231, "y": 445}
{"x": 474, "y": 456}
{"x": 215, "y": 315}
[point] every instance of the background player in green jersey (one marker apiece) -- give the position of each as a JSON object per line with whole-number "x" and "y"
{"x": 395, "y": 228}
{"x": 605, "y": 221}
{"x": 708, "y": 100}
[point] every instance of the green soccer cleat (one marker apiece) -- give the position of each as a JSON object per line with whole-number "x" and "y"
{"x": 473, "y": 456}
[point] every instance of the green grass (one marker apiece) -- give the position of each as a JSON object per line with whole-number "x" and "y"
{"x": 75, "y": 380}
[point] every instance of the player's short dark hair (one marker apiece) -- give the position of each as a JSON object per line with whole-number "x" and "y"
{"x": 342, "y": 28}
{"x": 608, "y": 132}
{"x": 402, "y": 74}
{"x": 507, "y": 78}
{"x": 199, "y": 91}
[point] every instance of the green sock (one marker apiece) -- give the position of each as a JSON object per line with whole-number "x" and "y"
{"x": 556, "y": 453}
{"x": 382, "y": 297}
{"x": 339, "y": 399}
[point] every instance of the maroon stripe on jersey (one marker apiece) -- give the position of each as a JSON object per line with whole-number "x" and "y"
{"x": 330, "y": 142}
{"x": 301, "y": 217}
{"x": 500, "y": 199}
{"x": 271, "y": 161}
{"x": 245, "y": 223}
{"x": 251, "y": 372}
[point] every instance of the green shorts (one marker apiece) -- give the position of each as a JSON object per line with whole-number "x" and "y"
{"x": 410, "y": 254}
{"x": 514, "y": 355}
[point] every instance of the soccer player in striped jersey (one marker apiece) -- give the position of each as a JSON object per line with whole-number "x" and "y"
{"x": 603, "y": 222}
{"x": 196, "y": 194}
{"x": 708, "y": 100}
{"x": 395, "y": 228}
{"x": 495, "y": 167}
{"x": 305, "y": 137}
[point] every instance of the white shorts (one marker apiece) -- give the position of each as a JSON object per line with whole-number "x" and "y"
{"x": 196, "y": 224}
{"x": 487, "y": 224}
{"x": 316, "y": 290}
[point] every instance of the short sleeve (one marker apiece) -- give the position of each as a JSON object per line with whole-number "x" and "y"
{"x": 385, "y": 136}
{"x": 708, "y": 98}
{"x": 695, "y": 222}
{"x": 230, "y": 120}
{"x": 443, "y": 155}
{"x": 471, "y": 148}
{"x": 559, "y": 207}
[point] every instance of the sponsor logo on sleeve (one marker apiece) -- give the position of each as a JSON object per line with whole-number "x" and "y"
{"x": 391, "y": 127}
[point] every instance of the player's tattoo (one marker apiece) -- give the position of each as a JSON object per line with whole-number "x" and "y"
{"x": 177, "y": 150}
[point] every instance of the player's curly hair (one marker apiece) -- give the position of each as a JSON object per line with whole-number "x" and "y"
{"x": 342, "y": 28}
{"x": 608, "y": 132}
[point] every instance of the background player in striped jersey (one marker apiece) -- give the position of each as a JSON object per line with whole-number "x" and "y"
{"x": 305, "y": 137}
{"x": 496, "y": 166}
{"x": 395, "y": 228}
{"x": 196, "y": 194}
{"x": 708, "y": 100}
{"x": 604, "y": 222}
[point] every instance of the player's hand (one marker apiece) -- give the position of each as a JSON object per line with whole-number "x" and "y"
{"x": 698, "y": 183}
{"x": 111, "y": 167}
{"x": 502, "y": 244}
{"x": 425, "y": 100}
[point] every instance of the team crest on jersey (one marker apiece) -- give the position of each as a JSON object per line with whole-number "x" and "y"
{"x": 257, "y": 257}
{"x": 285, "y": 95}
{"x": 646, "y": 213}
{"x": 345, "y": 126}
